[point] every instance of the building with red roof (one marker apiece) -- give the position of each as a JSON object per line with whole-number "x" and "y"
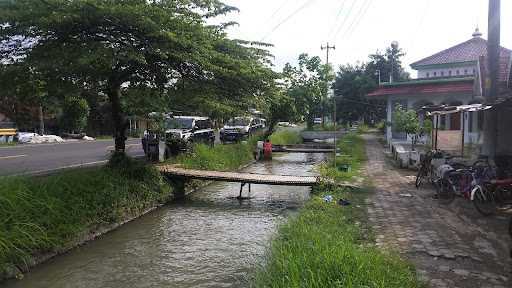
{"x": 454, "y": 76}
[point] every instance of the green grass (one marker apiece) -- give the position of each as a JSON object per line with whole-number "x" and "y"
{"x": 8, "y": 144}
{"x": 325, "y": 127}
{"x": 363, "y": 128}
{"x": 286, "y": 137}
{"x": 353, "y": 153}
{"x": 328, "y": 245}
{"x": 221, "y": 157}
{"x": 45, "y": 214}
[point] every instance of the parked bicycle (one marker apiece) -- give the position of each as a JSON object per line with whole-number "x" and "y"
{"x": 426, "y": 173}
{"x": 470, "y": 182}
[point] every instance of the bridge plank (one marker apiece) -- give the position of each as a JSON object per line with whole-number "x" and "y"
{"x": 171, "y": 170}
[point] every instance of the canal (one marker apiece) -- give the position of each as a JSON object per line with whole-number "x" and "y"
{"x": 209, "y": 240}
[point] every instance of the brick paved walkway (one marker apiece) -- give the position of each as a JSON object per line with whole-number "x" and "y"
{"x": 451, "y": 246}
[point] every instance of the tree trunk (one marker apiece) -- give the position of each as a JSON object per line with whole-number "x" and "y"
{"x": 114, "y": 95}
{"x": 41, "y": 120}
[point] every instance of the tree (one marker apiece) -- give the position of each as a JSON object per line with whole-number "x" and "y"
{"x": 354, "y": 82}
{"x": 407, "y": 121}
{"x": 306, "y": 84}
{"x": 118, "y": 45}
{"x": 75, "y": 114}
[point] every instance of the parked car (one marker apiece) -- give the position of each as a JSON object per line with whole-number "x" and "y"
{"x": 180, "y": 133}
{"x": 240, "y": 128}
{"x": 317, "y": 121}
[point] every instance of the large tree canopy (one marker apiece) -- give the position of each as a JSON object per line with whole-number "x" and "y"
{"x": 353, "y": 82}
{"x": 307, "y": 85}
{"x": 122, "y": 47}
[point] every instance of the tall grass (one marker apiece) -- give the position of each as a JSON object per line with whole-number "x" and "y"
{"x": 286, "y": 137}
{"x": 326, "y": 245}
{"x": 353, "y": 154}
{"x": 46, "y": 214}
{"x": 222, "y": 157}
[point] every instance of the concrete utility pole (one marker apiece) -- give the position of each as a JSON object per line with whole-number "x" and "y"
{"x": 326, "y": 47}
{"x": 493, "y": 54}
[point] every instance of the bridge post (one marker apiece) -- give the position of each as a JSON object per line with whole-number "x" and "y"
{"x": 178, "y": 185}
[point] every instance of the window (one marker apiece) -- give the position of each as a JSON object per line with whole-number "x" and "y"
{"x": 465, "y": 71}
{"x": 428, "y": 75}
{"x": 457, "y": 72}
{"x": 474, "y": 71}
{"x": 450, "y": 73}
{"x": 435, "y": 74}
{"x": 442, "y": 73}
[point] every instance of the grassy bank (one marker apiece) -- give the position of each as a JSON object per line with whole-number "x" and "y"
{"x": 47, "y": 214}
{"x": 329, "y": 245}
{"x": 284, "y": 137}
{"x": 222, "y": 157}
{"x": 353, "y": 154}
{"x": 227, "y": 157}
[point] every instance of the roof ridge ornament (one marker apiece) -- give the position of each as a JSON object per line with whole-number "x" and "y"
{"x": 477, "y": 33}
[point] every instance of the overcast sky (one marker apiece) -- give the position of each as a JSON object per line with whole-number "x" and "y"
{"x": 360, "y": 27}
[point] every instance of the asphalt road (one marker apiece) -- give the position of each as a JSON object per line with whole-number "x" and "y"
{"x": 45, "y": 158}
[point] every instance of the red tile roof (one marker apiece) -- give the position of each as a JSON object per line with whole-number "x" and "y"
{"x": 468, "y": 51}
{"x": 418, "y": 88}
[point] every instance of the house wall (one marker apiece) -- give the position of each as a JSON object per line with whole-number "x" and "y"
{"x": 471, "y": 136}
{"x": 463, "y": 70}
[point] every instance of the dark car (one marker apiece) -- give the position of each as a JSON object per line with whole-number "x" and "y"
{"x": 240, "y": 128}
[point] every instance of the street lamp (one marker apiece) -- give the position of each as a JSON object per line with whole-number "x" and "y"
{"x": 335, "y": 130}
{"x": 394, "y": 46}
{"x": 377, "y": 73}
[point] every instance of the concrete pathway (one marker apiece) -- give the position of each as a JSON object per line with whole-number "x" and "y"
{"x": 451, "y": 246}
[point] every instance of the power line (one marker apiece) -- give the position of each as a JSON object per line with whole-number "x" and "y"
{"x": 344, "y": 20}
{"x": 360, "y": 16}
{"x": 340, "y": 10}
{"x": 277, "y": 10}
{"x": 307, "y": 3}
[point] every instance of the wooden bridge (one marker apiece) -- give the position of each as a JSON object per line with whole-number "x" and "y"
{"x": 304, "y": 148}
{"x": 175, "y": 172}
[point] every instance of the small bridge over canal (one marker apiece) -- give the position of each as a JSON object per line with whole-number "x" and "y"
{"x": 304, "y": 148}
{"x": 175, "y": 173}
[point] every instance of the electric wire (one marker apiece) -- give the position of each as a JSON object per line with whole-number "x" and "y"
{"x": 369, "y": 4}
{"x": 304, "y": 5}
{"x": 357, "y": 18}
{"x": 340, "y": 10}
{"x": 344, "y": 20}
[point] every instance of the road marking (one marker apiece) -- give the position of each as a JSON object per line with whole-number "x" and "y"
{"x": 13, "y": 157}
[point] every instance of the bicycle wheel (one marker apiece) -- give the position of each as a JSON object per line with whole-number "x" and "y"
{"x": 421, "y": 176}
{"x": 484, "y": 202}
{"x": 445, "y": 193}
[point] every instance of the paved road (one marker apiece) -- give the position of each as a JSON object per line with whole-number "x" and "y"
{"x": 42, "y": 158}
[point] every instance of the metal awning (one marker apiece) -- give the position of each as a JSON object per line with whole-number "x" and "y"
{"x": 445, "y": 109}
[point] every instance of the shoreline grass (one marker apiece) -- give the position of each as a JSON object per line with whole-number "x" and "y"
{"x": 286, "y": 137}
{"x": 329, "y": 245}
{"x": 48, "y": 214}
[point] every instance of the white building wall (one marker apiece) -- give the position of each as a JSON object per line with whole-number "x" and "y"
{"x": 469, "y": 70}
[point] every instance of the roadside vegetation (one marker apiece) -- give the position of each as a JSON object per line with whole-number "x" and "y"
{"x": 222, "y": 157}
{"x": 352, "y": 157}
{"x": 286, "y": 137}
{"x": 330, "y": 245}
{"x": 40, "y": 215}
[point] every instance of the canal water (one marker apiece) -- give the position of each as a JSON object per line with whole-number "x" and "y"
{"x": 209, "y": 240}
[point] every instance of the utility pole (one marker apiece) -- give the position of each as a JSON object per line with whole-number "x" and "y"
{"x": 493, "y": 50}
{"x": 326, "y": 47}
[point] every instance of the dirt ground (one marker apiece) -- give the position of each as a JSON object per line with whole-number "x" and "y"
{"x": 450, "y": 245}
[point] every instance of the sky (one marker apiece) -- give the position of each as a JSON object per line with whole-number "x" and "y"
{"x": 360, "y": 27}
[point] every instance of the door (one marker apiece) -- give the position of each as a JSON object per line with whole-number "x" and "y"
{"x": 455, "y": 121}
